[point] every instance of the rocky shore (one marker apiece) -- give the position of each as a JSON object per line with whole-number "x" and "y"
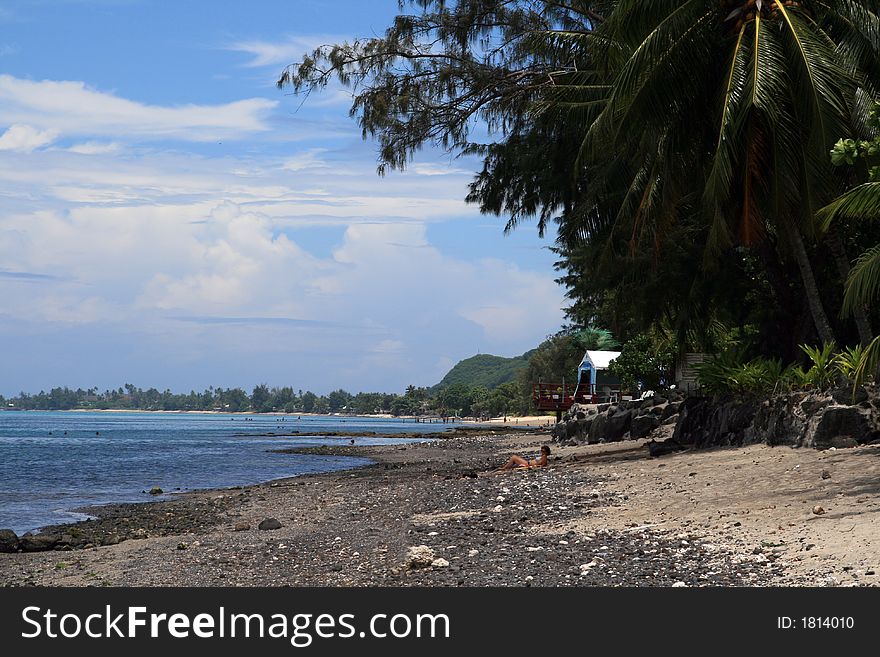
{"x": 434, "y": 514}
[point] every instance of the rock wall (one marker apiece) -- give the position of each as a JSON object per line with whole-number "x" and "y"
{"x": 624, "y": 420}
{"x": 802, "y": 419}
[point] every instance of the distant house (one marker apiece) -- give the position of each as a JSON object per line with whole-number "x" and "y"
{"x": 593, "y": 375}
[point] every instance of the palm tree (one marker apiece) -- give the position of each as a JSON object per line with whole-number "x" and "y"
{"x": 725, "y": 111}
{"x": 863, "y": 284}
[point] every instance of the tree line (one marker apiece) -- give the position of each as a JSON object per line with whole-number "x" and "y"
{"x": 457, "y": 400}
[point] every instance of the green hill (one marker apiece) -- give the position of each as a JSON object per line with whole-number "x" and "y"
{"x": 485, "y": 370}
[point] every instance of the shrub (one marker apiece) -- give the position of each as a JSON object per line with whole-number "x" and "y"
{"x": 643, "y": 361}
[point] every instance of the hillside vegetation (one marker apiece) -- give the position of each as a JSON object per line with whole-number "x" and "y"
{"x": 485, "y": 370}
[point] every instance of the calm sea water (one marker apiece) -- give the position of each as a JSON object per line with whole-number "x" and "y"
{"x": 52, "y": 463}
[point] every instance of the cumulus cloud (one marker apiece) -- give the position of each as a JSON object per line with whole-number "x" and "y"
{"x": 25, "y": 139}
{"x": 74, "y": 109}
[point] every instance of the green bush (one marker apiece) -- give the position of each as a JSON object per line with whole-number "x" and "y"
{"x": 643, "y": 361}
{"x": 823, "y": 373}
{"x": 727, "y": 374}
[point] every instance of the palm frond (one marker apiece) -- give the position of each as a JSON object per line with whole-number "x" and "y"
{"x": 861, "y": 202}
{"x": 863, "y": 283}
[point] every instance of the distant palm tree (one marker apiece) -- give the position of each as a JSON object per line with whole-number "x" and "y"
{"x": 597, "y": 339}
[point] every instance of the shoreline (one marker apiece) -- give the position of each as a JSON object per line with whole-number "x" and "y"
{"x": 512, "y": 421}
{"x": 743, "y": 518}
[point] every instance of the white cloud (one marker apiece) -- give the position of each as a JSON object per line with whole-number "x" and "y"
{"x": 74, "y": 109}
{"x": 436, "y": 170}
{"x": 307, "y": 160}
{"x": 129, "y": 240}
{"x": 95, "y": 148}
{"x": 25, "y": 138}
{"x": 268, "y": 53}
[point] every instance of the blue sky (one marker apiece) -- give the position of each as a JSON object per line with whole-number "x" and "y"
{"x": 169, "y": 218}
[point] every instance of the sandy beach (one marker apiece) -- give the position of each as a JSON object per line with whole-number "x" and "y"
{"x": 598, "y": 515}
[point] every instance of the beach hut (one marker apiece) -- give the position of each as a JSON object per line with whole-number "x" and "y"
{"x": 593, "y": 375}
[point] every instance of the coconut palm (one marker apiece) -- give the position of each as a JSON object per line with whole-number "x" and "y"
{"x": 726, "y": 110}
{"x": 863, "y": 284}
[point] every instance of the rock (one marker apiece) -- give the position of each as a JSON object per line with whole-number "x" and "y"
{"x": 679, "y": 585}
{"x": 597, "y": 428}
{"x": 269, "y": 524}
{"x": 38, "y": 542}
{"x": 671, "y": 420}
{"x": 704, "y": 422}
{"x": 643, "y": 425}
{"x": 825, "y": 474}
{"x": 155, "y": 490}
{"x": 242, "y": 527}
{"x": 837, "y": 422}
{"x": 818, "y": 510}
{"x": 813, "y": 403}
{"x": 845, "y": 397}
{"x": 617, "y": 425}
{"x": 669, "y": 410}
{"x": 440, "y": 562}
{"x": 419, "y": 556}
{"x": 668, "y": 446}
{"x": 8, "y": 541}
{"x": 844, "y": 442}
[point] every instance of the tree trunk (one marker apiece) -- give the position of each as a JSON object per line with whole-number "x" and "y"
{"x": 835, "y": 246}
{"x": 820, "y": 319}
{"x": 789, "y": 307}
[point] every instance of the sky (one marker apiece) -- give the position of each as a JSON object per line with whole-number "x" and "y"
{"x": 170, "y": 219}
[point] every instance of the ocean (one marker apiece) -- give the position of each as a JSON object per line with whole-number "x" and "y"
{"x": 53, "y": 463}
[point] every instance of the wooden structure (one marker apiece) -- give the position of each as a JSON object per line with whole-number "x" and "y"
{"x": 559, "y": 398}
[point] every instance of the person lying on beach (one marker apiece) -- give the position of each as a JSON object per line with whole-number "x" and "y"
{"x": 517, "y": 461}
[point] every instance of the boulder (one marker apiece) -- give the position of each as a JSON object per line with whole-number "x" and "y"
{"x": 838, "y": 421}
{"x": 845, "y": 397}
{"x": 8, "y": 541}
{"x": 617, "y": 425}
{"x": 669, "y": 410}
{"x": 706, "y": 422}
{"x": 597, "y": 428}
{"x": 642, "y": 425}
{"x": 37, "y": 542}
{"x": 269, "y": 524}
